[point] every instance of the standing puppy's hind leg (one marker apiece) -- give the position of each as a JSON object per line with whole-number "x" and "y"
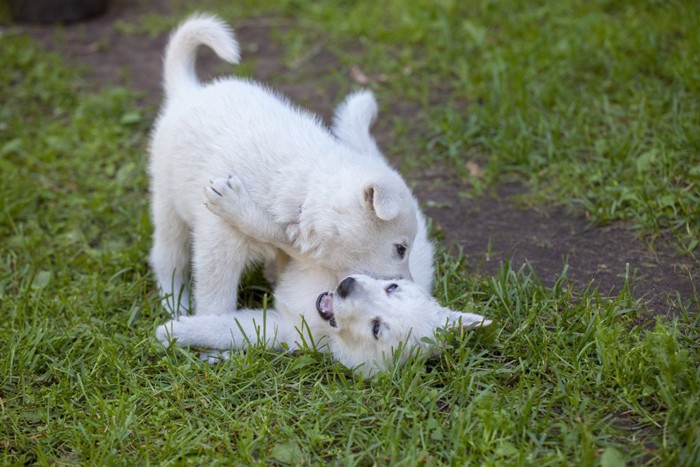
{"x": 170, "y": 257}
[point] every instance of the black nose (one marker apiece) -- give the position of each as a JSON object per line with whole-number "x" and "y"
{"x": 346, "y": 286}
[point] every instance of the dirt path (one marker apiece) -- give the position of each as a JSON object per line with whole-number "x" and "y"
{"x": 489, "y": 229}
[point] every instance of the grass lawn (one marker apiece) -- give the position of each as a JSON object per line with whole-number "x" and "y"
{"x": 592, "y": 103}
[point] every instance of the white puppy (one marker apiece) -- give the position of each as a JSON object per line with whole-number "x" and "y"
{"x": 366, "y": 324}
{"x": 328, "y": 201}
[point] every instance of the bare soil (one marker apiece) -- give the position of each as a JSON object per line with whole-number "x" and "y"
{"x": 489, "y": 229}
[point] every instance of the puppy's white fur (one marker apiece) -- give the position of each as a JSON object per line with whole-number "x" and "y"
{"x": 373, "y": 324}
{"x": 333, "y": 202}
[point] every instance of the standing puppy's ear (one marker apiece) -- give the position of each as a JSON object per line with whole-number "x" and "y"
{"x": 352, "y": 121}
{"x": 381, "y": 201}
{"x": 467, "y": 320}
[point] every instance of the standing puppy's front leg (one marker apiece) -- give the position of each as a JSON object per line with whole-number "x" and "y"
{"x": 220, "y": 255}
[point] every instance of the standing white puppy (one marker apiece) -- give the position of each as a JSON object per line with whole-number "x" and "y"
{"x": 346, "y": 212}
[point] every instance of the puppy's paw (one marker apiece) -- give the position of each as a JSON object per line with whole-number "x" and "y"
{"x": 225, "y": 196}
{"x": 175, "y": 330}
{"x": 165, "y": 333}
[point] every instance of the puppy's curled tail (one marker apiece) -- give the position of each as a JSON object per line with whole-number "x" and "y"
{"x": 181, "y": 52}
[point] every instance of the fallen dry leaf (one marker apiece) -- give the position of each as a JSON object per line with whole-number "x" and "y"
{"x": 475, "y": 170}
{"x": 358, "y": 75}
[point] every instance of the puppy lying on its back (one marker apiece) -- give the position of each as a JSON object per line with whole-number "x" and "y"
{"x": 364, "y": 323}
{"x": 331, "y": 203}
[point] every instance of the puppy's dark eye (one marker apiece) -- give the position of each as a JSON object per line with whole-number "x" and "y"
{"x": 400, "y": 250}
{"x": 376, "y": 326}
{"x": 391, "y": 288}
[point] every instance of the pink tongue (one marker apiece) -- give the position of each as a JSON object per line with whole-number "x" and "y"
{"x": 326, "y": 303}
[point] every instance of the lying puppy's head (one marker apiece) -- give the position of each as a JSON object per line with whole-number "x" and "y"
{"x": 371, "y": 319}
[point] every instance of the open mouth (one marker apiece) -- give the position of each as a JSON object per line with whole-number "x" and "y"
{"x": 324, "y": 306}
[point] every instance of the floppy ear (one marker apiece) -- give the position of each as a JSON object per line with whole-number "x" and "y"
{"x": 382, "y": 201}
{"x": 352, "y": 121}
{"x": 467, "y": 320}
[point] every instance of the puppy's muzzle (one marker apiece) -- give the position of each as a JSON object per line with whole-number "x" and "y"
{"x": 324, "y": 306}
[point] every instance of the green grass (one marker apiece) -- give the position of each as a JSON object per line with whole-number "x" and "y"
{"x": 562, "y": 377}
